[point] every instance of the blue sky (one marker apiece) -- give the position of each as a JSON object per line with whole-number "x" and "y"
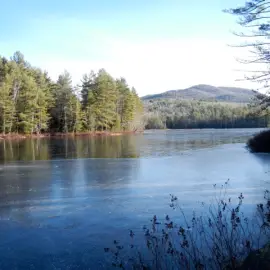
{"x": 157, "y": 45}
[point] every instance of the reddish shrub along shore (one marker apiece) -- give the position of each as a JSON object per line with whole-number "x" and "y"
{"x": 17, "y": 136}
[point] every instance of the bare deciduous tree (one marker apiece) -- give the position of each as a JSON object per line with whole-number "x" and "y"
{"x": 254, "y": 17}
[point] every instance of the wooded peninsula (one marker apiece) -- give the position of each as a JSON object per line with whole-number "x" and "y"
{"x": 32, "y": 103}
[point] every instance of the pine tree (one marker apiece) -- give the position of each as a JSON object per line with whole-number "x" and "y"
{"x": 44, "y": 100}
{"x": 137, "y": 123}
{"x": 104, "y": 101}
{"x": 88, "y": 84}
{"x": 75, "y": 123}
{"x": 62, "y": 93}
{"x": 7, "y": 107}
{"x": 16, "y": 81}
{"x": 123, "y": 91}
{"x": 27, "y": 107}
{"x": 128, "y": 110}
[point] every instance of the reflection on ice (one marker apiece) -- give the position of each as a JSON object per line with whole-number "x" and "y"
{"x": 68, "y": 197}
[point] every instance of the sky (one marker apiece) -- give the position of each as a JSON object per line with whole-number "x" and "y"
{"x": 157, "y": 45}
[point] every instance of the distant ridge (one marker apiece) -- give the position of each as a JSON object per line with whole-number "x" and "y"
{"x": 208, "y": 93}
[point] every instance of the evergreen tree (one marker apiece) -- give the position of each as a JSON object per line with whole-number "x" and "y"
{"x": 88, "y": 84}
{"x": 30, "y": 102}
{"x": 7, "y": 107}
{"x": 15, "y": 73}
{"x": 27, "y": 106}
{"x": 44, "y": 101}
{"x": 104, "y": 101}
{"x": 62, "y": 115}
{"x": 137, "y": 123}
{"x": 125, "y": 104}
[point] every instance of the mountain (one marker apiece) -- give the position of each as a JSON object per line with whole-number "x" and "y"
{"x": 208, "y": 93}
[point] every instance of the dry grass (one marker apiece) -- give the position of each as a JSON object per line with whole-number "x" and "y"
{"x": 220, "y": 238}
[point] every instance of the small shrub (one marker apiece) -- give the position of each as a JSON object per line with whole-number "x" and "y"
{"x": 219, "y": 238}
{"x": 260, "y": 143}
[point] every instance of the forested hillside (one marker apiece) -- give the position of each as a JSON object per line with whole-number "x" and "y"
{"x": 204, "y": 106}
{"x": 208, "y": 93}
{"x": 31, "y": 102}
{"x": 174, "y": 113}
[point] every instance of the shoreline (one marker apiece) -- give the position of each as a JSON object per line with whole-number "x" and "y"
{"x": 16, "y": 136}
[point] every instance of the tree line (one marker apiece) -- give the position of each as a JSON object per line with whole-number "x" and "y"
{"x": 253, "y": 16}
{"x": 175, "y": 114}
{"x": 31, "y": 102}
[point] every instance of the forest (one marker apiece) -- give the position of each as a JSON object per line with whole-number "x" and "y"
{"x": 177, "y": 113}
{"x": 32, "y": 103}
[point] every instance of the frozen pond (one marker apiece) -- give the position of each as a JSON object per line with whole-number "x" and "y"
{"x": 63, "y": 200}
